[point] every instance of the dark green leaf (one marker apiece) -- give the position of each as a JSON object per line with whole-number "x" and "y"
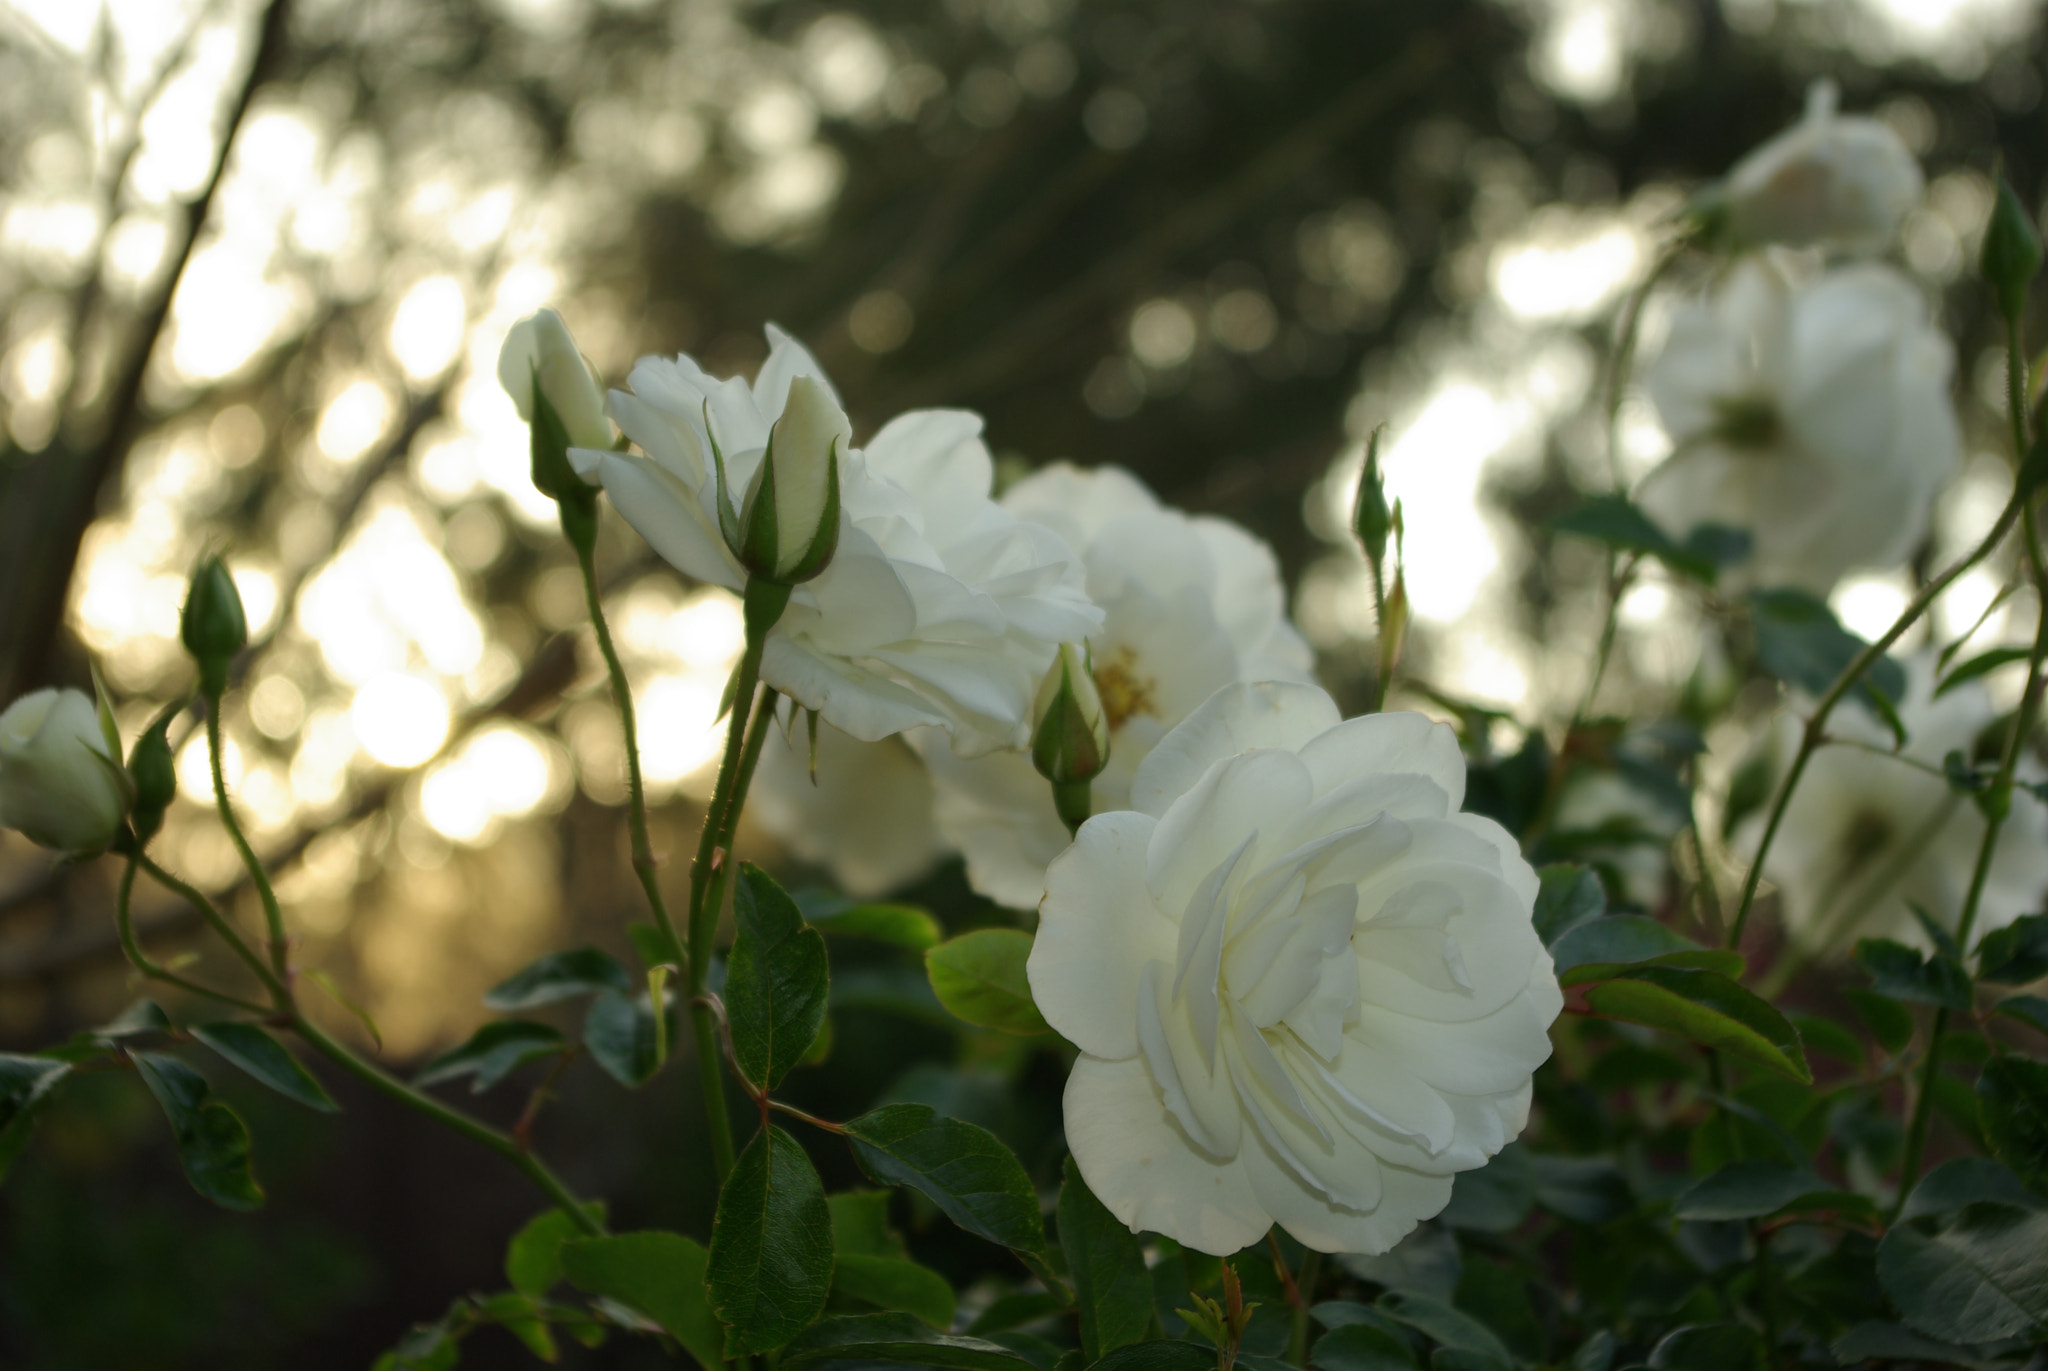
{"x": 24, "y": 1082}
{"x": 1980, "y": 665}
{"x": 213, "y": 1143}
{"x": 533, "y": 1259}
{"x": 1596, "y": 1353}
{"x": 1718, "y": 543}
{"x": 2028, "y": 1009}
{"x": 659, "y": 1275}
{"x": 1583, "y": 1189}
{"x": 1496, "y": 1197}
{"x": 143, "y": 1016}
{"x": 1569, "y": 896}
{"x": 2012, "y": 1103}
{"x": 900, "y": 990}
{"x": 901, "y": 924}
{"x": 559, "y": 976}
{"x": 1706, "y": 1008}
{"x": 1974, "y": 1276}
{"x": 860, "y": 1224}
{"x": 493, "y": 1052}
{"x": 1748, "y": 790}
{"x": 1107, "y": 1265}
{"x": 1361, "y": 1347}
{"x": 1459, "y": 1359}
{"x": 1612, "y": 520}
{"x": 1966, "y": 1180}
{"x": 900, "y": 1340}
{"x": 1616, "y": 939}
{"x": 1501, "y": 1299}
{"x": 776, "y": 982}
{"x": 965, "y": 1170}
{"x": 2011, "y": 253}
{"x": 1894, "y": 1342}
{"x": 771, "y": 1245}
{"x": 1440, "y": 1322}
{"x": 251, "y": 1048}
{"x": 1899, "y": 972}
{"x": 1754, "y": 1188}
{"x": 1159, "y": 1355}
{"x": 1015, "y": 1311}
{"x": 1888, "y": 1020}
{"x": 1800, "y": 642}
{"x": 1825, "y": 1035}
{"x": 897, "y": 1284}
{"x": 1709, "y": 1347}
{"x": 520, "y": 1315}
{"x": 623, "y": 1037}
{"x": 979, "y": 977}
{"x": 2016, "y": 954}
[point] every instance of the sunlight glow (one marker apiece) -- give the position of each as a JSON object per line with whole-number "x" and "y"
{"x": 1567, "y": 268}
{"x": 502, "y": 772}
{"x": 400, "y": 719}
{"x": 1434, "y": 469}
{"x": 427, "y": 327}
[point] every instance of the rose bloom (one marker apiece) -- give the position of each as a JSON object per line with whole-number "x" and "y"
{"x": 1868, "y": 836}
{"x": 1815, "y": 417}
{"x": 61, "y": 781}
{"x": 1830, "y": 178}
{"x": 867, "y": 818}
{"x": 1191, "y": 604}
{"x": 939, "y": 609}
{"x": 1305, "y": 988}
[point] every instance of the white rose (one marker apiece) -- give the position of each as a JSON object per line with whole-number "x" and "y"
{"x": 60, "y": 781}
{"x": 540, "y": 345}
{"x": 938, "y": 608}
{"x": 1817, "y": 418}
{"x": 1306, "y": 989}
{"x": 803, "y": 447}
{"x": 1191, "y": 604}
{"x": 1829, "y": 178}
{"x": 1868, "y": 836}
{"x": 868, "y": 817}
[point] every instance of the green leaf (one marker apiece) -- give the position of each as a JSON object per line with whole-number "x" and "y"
{"x": 1107, "y": 1265}
{"x": 2011, "y": 253}
{"x": 2016, "y": 954}
{"x": 25, "y": 1082}
{"x": 1825, "y": 1035}
{"x": 1966, "y": 1180}
{"x": 1568, "y": 896}
{"x": 2028, "y": 1009}
{"x": 1754, "y": 1188}
{"x": 1612, "y": 520}
{"x": 1899, "y": 972}
{"x": 1015, "y": 1310}
{"x": 979, "y": 977}
{"x": 623, "y": 1037}
{"x": 1602, "y": 948}
{"x": 1973, "y": 1276}
{"x": 559, "y": 976}
{"x": 776, "y": 982}
{"x": 141, "y": 1017}
{"x": 2012, "y": 1105}
{"x": 255, "y": 1051}
{"x": 1588, "y": 1190}
{"x": 1748, "y": 790}
{"x": 660, "y": 1275}
{"x": 1493, "y": 1198}
{"x": 900, "y": 1340}
{"x": 902, "y": 925}
{"x": 1800, "y": 642}
{"x": 533, "y": 1259}
{"x": 1873, "y": 1341}
{"x": 1981, "y": 665}
{"x": 860, "y": 1224}
{"x": 895, "y": 1283}
{"x": 771, "y": 1245}
{"x": 520, "y": 1315}
{"x": 1888, "y": 1021}
{"x": 966, "y": 1171}
{"x": 1361, "y": 1347}
{"x": 1159, "y": 1355}
{"x": 493, "y": 1052}
{"x": 1709, "y": 1347}
{"x": 213, "y": 1143}
{"x": 1706, "y": 1008}
{"x": 1441, "y": 1323}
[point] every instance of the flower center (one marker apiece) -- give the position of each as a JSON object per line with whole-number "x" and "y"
{"x": 1124, "y": 692}
{"x": 1748, "y": 422}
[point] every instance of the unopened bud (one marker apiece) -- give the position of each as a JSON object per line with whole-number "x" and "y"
{"x": 788, "y": 528}
{"x": 1070, "y": 742}
{"x": 2012, "y": 252}
{"x": 155, "y": 773}
{"x": 213, "y": 627}
{"x": 59, "y": 781}
{"x": 1394, "y": 625}
{"x": 1371, "y": 520}
{"x": 558, "y": 394}
{"x": 1830, "y": 178}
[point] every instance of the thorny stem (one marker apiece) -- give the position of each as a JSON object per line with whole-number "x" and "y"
{"x": 124, "y": 924}
{"x": 1815, "y": 732}
{"x": 273, "y": 917}
{"x": 644, "y": 865}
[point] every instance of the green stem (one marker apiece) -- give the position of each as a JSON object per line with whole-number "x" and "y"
{"x": 273, "y": 917}
{"x": 1815, "y": 733}
{"x": 703, "y": 927}
{"x": 124, "y": 925}
{"x": 644, "y": 865}
{"x": 1305, "y": 1287}
{"x": 1625, "y": 351}
{"x": 483, "y": 1134}
{"x": 275, "y": 984}
{"x": 1379, "y": 619}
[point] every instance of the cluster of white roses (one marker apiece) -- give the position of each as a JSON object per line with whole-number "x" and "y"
{"x": 1808, "y": 399}
{"x": 1274, "y": 922}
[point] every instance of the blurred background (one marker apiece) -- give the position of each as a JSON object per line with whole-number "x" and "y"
{"x": 256, "y": 261}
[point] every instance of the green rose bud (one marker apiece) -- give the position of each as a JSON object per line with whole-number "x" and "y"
{"x": 1070, "y": 743}
{"x": 213, "y": 627}
{"x": 2012, "y": 252}
{"x": 155, "y": 774}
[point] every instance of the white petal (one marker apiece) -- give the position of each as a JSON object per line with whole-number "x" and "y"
{"x": 1233, "y": 720}
{"x": 1097, "y": 928}
{"x": 1399, "y": 743}
{"x": 1211, "y": 821}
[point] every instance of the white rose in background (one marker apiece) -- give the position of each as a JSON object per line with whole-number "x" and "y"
{"x": 938, "y": 608}
{"x": 1866, "y": 836}
{"x": 1830, "y": 178}
{"x": 61, "y": 780}
{"x": 1191, "y": 604}
{"x": 1816, "y": 417}
{"x": 868, "y": 817}
{"x": 539, "y": 346}
{"x": 1305, "y": 988}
